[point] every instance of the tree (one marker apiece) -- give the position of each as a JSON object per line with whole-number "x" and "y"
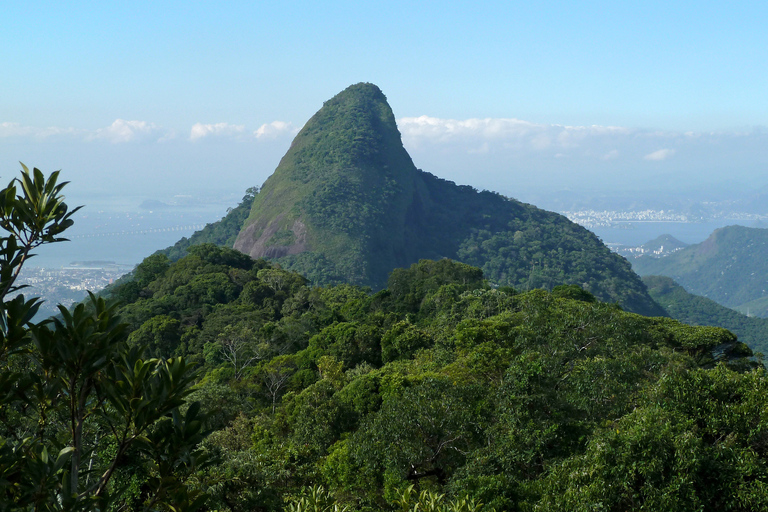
{"x": 160, "y": 335}
{"x": 76, "y": 403}
{"x": 240, "y": 348}
{"x": 424, "y": 433}
{"x": 276, "y": 375}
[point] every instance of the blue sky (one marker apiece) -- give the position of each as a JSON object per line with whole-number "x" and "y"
{"x": 151, "y": 98}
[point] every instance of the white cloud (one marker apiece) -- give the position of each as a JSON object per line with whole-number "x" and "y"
{"x": 480, "y": 150}
{"x": 8, "y": 129}
{"x": 542, "y": 141}
{"x": 200, "y": 130}
{"x": 14, "y": 129}
{"x": 443, "y": 129}
{"x": 502, "y": 132}
{"x": 126, "y": 131}
{"x": 275, "y": 129}
{"x": 611, "y": 155}
{"x": 659, "y": 155}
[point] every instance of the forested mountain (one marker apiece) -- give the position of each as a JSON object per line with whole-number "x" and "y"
{"x": 438, "y": 392}
{"x": 730, "y": 267}
{"x": 347, "y": 205}
{"x": 519, "y": 401}
{"x": 696, "y": 310}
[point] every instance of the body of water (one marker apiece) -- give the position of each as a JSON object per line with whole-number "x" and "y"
{"x": 638, "y": 233}
{"x": 124, "y": 234}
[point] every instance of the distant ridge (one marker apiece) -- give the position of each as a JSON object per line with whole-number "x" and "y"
{"x": 730, "y": 267}
{"x": 347, "y": 204}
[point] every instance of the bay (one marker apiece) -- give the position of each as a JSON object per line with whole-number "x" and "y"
{"x": 124, "y": 233}
{"x": 636, "y": 233}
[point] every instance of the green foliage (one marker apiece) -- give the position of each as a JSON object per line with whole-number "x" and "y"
{"x": 538, "y": 249}
{"x": 411, "y": 286}
{"x": 443, "y": 393}
{"x": 349, "y": 342}
{"x": 160, "y": 335}
{"x": 222, "y": 232}
{"x": 695, "y": 443}
{"x": 314, "y": 499}
{"x": 81, "y": 411}
{"x": 573, "y": 291}
{"x": 402, "y": 341}
{"x": 422, "y": 434}
{"x": 429, "y": 501}
{"x": 694, "y": 310}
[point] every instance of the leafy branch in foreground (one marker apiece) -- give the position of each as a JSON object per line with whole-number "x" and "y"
{"x": 78, "y": 406}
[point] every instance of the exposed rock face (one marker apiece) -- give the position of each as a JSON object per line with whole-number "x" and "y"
{"x": 271, "y": 242}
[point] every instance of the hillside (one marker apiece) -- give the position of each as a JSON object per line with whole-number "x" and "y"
{"x": 757, "y": 307}
{"x": 695, "y": 310}
{"x": 224, "y": 383}
{"x": 520, "y": 401}
{"x": 347, "y": 205}
{"x": 730, "y": 267}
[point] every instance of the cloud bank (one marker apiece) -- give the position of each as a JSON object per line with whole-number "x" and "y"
{"x": 9, "y": 129}
{"x": 517, "y": 138}
{"x": 200, "y": 130}
{"x": 502, "y": 154}
{"x": 505, "y": 154}
{"x": 128, "y": 131}
{"x": 486, "y": 135}
{"x": 125, "y": 131}
{"x": 275, "y": 129}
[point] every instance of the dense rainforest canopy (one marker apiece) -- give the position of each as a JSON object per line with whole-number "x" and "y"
{"x": 696, "y": 310}
{"x": 444, "y": 385}
{"x": 440, "y": 391}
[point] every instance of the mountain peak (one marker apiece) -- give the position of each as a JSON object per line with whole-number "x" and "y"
{"x": 347, "y": 204}
{"x": 357, "y": 92}
{"x": 345, "y": 181}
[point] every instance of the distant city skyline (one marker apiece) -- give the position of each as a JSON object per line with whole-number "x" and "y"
{"x": 152, "y": 98}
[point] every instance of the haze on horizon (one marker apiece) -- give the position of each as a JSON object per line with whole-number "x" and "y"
{"x": 150, "y": 101}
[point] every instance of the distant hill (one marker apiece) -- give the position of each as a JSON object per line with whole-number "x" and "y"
{"x": 730, "y": 267}
{"x": 347, "y": 204}
{"x": 659, "y": 247}
{"x": 664, "y": 244}
{"x": 696, "y": 310}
